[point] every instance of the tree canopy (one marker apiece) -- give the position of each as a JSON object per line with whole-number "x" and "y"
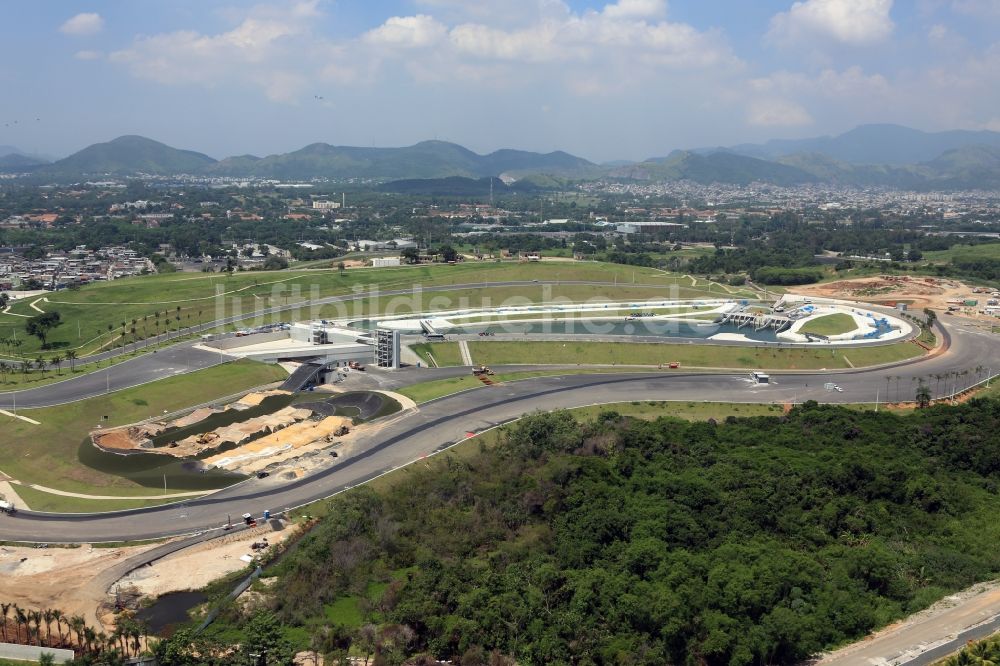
{"x": 753, "y": 541}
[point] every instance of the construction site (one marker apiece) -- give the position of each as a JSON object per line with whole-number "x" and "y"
{"x": 917, "y": 292}
{"x": 263, "y": 430}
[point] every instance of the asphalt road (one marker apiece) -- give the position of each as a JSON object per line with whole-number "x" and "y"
{"x": 445, "y": 421}
{"x": 182, "y": 357}
{"x": 411, "y": 436}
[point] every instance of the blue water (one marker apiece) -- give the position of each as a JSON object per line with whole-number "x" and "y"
{"x": 638, "y": 327}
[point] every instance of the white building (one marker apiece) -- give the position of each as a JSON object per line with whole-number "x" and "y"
{"x": 326, "y": 205}
{"x": 385, "y": 262}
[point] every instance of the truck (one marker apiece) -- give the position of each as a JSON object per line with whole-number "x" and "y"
{"x": 482, "y": 370}
{"x": 7, "y": 508}
{"x": 354, "y": 365}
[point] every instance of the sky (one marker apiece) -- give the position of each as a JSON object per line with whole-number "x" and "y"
{"x": 603, "y": 79}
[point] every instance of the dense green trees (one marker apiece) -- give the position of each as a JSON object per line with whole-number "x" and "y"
{"x": 40, "y": 326}
{"x": 754, "y": 541}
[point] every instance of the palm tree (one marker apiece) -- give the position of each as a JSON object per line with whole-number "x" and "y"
{"x": 6, "y": 609}
{"x": 40, "y": 363}
{"x": 36, "y": 617}
{"x": 58, "y": 616}
{"x": 923, "y": 396}
{"x": 71, "y": 357}
{"x": 78, "y": 624}
{"x": 56, "y": 361}
{"x": 22, "y": 621}
{"x": 48, "y": 616}
{"x": 89, "y": 638}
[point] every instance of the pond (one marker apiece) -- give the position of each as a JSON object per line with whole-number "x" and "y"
{"x": 148, "y": 469}
{"x": 169, "y": 611}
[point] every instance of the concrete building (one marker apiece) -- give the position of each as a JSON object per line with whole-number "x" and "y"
{"x": 385, "y": 262}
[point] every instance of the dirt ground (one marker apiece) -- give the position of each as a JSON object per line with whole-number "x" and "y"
{"x": 58, "y": 577}
{"x": 919, "y": 292}
{"x": 198, "y": 566}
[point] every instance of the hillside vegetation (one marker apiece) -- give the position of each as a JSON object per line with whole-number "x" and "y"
{"x": 753, "y": 541}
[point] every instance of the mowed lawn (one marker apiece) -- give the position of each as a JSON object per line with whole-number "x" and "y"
{"x": 831, "y": 324}
{"x": 444, "y": 353}
{"x": 701, "y": 356}
{"x": 155, "y": 303}
{"x": 978, "y": 251}
{"x": 46, "y": 454}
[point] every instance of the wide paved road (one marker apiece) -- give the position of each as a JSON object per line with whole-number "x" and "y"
{"x": 448, "y": 420}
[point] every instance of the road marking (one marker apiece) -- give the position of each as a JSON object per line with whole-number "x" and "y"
{"x": 66, "y": 493}
{"x": 463, "y": 347}
{"x": 18, "y": 416}
{"x": 35, "y": 307}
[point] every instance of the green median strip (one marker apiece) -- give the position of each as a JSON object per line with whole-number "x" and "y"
{"x": 696, "y": 356}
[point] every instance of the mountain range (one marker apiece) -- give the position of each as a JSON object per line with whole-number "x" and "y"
{"x": 893, "y": 145}
{"x": 884, "y": 155}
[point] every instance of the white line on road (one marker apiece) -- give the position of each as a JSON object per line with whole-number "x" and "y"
{"x": 463, "y": 347}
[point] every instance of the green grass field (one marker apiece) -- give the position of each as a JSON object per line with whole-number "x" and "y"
{"x": 156, "y": 303}
{"x": 39, "y": 500}
{"x": 980, "y": 251}
{"x": 46, "y": 454}
{"x": 445, "y": 353}
{"x": 703, "y": 356}
{"x": 831, "y": 324}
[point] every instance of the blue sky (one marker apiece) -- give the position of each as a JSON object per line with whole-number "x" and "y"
{"x": 604, "y": 79}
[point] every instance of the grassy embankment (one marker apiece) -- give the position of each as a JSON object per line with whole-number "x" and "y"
{"x": 46, "y": 454}
{"x": 653, "y": 354}
{"x": 980, "y": 251}
{"x": 831, "y": 324}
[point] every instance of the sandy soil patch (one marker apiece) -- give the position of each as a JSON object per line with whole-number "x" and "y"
{"x": 196, "y": 567}
{"x": 254, "y": 399}
{"x": 56, "y": 577}
{"x": 919, "y": 292}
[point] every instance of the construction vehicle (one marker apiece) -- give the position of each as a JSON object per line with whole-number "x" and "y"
{"x": 7, "y": 507}
{"x": 249, "y": 520}
{"x": 482, "y": 370}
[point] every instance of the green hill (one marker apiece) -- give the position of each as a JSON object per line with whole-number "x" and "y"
{"x": 130, "y": 155}
{"x": 721, "y": 167}
{"x": 16, "y": 162}
{"x": 427, "y": 159}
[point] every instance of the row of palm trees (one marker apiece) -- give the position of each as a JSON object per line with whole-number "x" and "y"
{"x": 955, "y": 382}
{"x": 40, "y": 363}
{"x": 34, "y": 627}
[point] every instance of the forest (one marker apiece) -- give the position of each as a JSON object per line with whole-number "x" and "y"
{"x": 749, "y": 541}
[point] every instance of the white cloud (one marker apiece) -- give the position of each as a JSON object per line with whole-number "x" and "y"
{"x": 636, "y": 9}
{"x": 772, "y": 112}
{"x": 87, "y": 23}
{"x": 264, "y": 50}
{"x": 408, "y": 32}
{"x": 88, "y": 55}
{"x": 618, "y": 32}
{"x": 846, "y": 21}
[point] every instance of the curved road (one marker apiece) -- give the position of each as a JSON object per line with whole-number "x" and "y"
{"x": 183, "y": 357}
{"x": 445, "y": 421}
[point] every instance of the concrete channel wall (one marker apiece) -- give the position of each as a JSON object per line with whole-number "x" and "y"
{"x": 33, "y": 653}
